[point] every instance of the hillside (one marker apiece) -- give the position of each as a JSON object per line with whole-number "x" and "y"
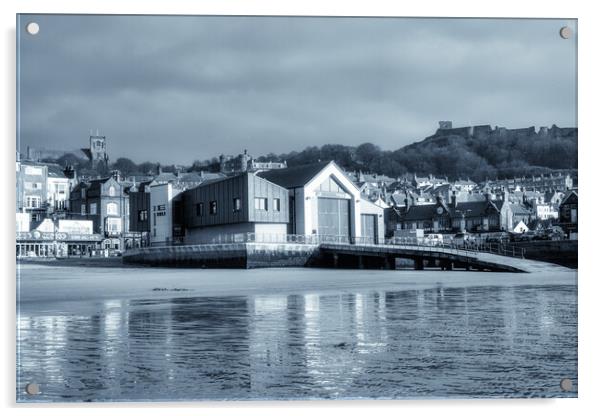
{"x": 477, "y": 152}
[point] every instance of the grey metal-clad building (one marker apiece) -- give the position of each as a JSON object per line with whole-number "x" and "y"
{"x": 240, "y": 204}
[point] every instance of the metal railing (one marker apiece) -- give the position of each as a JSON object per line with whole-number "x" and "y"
{"x": 466, "y": 247}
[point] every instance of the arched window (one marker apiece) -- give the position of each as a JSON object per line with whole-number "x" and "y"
{"x": 111, "y": 191}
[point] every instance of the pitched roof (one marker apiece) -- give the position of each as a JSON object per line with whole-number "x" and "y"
{"x": 54, "y": 170}
{"x": 293, "y": 177}
{"x": 468, "y": 209}
{"x": 519, "y": 209}
{"x": 190, "y": 177}
{"x": 568, "y": 196}
{"x": 398, "y": 199}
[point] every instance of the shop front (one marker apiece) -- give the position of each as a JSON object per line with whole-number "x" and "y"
{"x": 36, "y": 244}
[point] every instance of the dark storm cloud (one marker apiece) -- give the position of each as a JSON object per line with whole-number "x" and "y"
{"x": 176, "y": 89}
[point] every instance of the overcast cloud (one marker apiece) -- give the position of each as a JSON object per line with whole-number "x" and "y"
{"x": 176, "y": 89}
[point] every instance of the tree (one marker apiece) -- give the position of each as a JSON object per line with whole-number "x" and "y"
{"x": 125, "y": 166}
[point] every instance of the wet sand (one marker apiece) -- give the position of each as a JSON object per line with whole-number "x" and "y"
{"x": 49, "y": 283}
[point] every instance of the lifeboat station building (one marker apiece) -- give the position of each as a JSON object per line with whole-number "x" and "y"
{"x": 316, "y": 200}
{"x": 325, "y": 202}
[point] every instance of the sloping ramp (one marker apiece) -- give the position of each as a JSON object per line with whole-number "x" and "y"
{"x": 475, "y": 259}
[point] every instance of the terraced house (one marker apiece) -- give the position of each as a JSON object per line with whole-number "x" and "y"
{"x": 105, "y": 203}
{"x": 486, "y": 215}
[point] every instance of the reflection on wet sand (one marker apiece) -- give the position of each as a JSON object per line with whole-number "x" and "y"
{"x": 459, "y": 342}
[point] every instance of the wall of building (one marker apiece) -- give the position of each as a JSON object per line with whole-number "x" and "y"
{"x": 239, "y": 232}
{"x": 270, "y": 232}
{"x": 139, "y": 201}
{"x": 33, "y": 181}
{"x": 161, "y": 213}
{"x": 308, "y": 212}
{"x": 23, "y": 220}
{"x": 57, "y": 194}
{"x": 218, "y": 233}
{"x": 246, "y": 187}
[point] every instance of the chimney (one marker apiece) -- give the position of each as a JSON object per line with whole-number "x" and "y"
{"x": 454, "y": 199}
{"x": 488, "y": 196}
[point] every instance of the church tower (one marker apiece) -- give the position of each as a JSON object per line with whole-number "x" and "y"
{"x": 98, "y": 149}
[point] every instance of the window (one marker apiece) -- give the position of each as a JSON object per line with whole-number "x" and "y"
{"x": 114, "y": 225}
{"x": 33, "y": 170}
{"x": 142, "y": 215}
{"x": 111, "y": 190}
{"x": 33, "y": 185}
{"x": 33, "y": 202}
{"x": 213, "y": 207}
{"x": 236, "y": 204}
{"x": 83, "y": 209}
{"x": 276, "y": 204}
{"x": 261, "y": 203}
{"x": 199, "y": 209}
{"x": 93, "y": 208}
{"x": 83, "y": 193}
{"x": 112, "y": 208}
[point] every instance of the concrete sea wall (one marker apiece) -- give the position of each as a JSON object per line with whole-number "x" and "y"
{"x": 562, "y": 252}
{"x": 232, "y": 255}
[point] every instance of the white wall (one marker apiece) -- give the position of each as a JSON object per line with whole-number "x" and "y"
{"x": 271, "y": 230}
{"x": 23, "y": 221}
{"x": 161, "y": 225}
{"x": 52, "y": 194}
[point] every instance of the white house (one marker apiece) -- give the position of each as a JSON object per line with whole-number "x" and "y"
{"x": 545, "y": 211}
{"x": 57, "y": 189}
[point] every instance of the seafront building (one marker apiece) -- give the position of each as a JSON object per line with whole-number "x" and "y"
{"x": 316, "y": 200}
{"x": 247, "y": 198}
{"x": 325, "y": 202}
{"x": 104, "y": 202}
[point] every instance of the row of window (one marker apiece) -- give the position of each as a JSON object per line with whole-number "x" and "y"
{"x": 33, "y": 185}
{"x": 33, "y": 202}
{"x": 112, "y": 209}
{"x": 260, "y": 204}
{"x": 112, "y": 192}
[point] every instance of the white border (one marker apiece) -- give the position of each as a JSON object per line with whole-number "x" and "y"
{"x": 589, "y": 129}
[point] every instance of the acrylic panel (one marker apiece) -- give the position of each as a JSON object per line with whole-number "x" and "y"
{"x": 295, "y": 208}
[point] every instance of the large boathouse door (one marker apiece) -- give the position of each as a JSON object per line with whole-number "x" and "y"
{"x": 333, "y": 219}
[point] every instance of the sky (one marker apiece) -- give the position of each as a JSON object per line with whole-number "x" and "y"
{"x": 175, "y": 89}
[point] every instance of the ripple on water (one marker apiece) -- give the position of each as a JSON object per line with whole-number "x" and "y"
{"x": 516, "y": 341}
